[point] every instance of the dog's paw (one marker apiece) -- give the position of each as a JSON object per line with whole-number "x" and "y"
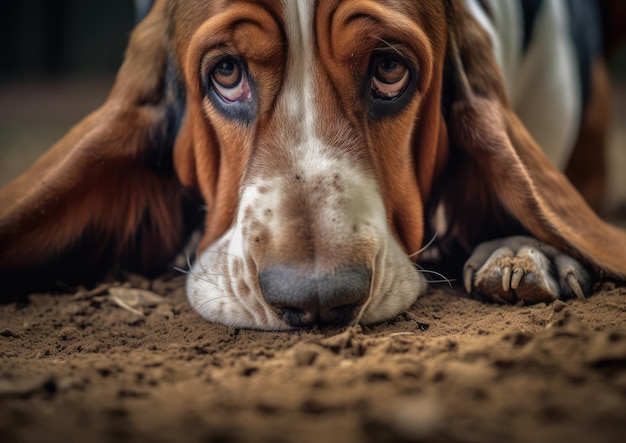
{"x": 524, "y": 268}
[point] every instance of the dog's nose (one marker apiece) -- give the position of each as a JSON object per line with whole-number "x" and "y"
{"x": 304, "y": 298}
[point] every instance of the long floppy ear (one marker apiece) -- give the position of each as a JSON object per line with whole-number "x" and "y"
{"x": 498, "y": 181}
{"x": 106, "y": 193}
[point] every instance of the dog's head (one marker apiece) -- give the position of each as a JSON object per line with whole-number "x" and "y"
{"x": 319, "y": 134}
{"x": 302, "y": 123}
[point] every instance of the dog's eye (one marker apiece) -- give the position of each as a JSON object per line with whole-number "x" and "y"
{"x": 227, "y": 74}
{"x": 230, "y": 81}
{"x": 389, "y": 78}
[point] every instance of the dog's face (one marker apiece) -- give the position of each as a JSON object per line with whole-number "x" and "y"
{"x": 311, "y": 108}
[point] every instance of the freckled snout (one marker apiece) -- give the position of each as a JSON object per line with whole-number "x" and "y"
{"x": 304, "y": 298}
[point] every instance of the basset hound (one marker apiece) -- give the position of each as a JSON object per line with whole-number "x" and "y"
{"x": 325, "y": 146}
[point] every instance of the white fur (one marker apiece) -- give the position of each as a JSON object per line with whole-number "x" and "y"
{"x": 542, "y": 84}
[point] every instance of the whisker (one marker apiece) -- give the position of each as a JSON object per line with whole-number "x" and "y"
{"x": 359, "y": 316}
{"x": 206, "y": 302}
{"x": 196, "y": 275}
{"x": 439, "y": 274}
{"x": 202, "y": 265}
{"x": 441, "y": 281}
{"x": 426, "y": 246}
{"x": 390, "y": 45}
{"x": 206, "y": 280}
{"x": 202, "y": 275}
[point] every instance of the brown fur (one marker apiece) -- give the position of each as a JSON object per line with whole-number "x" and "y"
{"x": 83, "y": 182}
{"x": 515, "y": 176}
{"x": 587, "y": 166}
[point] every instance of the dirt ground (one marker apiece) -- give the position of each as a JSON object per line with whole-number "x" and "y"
{"x": 83, "y": 368}
{"x": 112, "y": 364}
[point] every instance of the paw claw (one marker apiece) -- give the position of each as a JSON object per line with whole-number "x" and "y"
{"x": 524, "y": 269}
{"x": 572, "y": 281}
{"x": 506, "y": 278}
{"x": 518, "y": 274}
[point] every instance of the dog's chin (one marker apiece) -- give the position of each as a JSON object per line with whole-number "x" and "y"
{"x": 223, "y": 288}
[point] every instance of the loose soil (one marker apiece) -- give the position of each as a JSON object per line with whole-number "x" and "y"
{"x": 119, "y": 365}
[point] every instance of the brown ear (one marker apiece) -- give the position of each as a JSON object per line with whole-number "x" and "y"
{"x": 498, "y": 181}
{"x": 107, "y": 192}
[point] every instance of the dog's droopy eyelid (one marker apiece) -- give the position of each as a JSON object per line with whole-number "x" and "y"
{"x": 229, "y": 79}
{"x": 229, "y": 87}
{"x": 392, "y": 79}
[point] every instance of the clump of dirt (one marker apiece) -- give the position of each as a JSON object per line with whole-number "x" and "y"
{"x": 134, "y": 363}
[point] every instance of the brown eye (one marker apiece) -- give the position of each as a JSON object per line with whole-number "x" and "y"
{"x": 230, "y": 80}
{"x": 390, "y": 71}
{"x": 389, "y": 79}
{"x": 227, "y": 73}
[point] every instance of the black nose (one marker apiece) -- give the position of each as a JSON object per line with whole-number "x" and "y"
{"x": 305, "y": 298}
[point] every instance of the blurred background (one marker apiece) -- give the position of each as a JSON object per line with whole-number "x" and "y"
{"x": 60, "y": 58}
{"x": 59, "y": 61}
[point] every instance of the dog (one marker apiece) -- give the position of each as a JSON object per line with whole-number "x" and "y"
{"x": 325, "y": 147}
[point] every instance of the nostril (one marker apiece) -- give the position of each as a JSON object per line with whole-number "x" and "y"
{"x": 304, "y": 298}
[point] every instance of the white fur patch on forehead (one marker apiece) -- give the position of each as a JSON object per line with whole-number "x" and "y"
{"x": 299, "y": 20}
{"x": 299, "y": 16}
{"x": 299, "y": 81}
